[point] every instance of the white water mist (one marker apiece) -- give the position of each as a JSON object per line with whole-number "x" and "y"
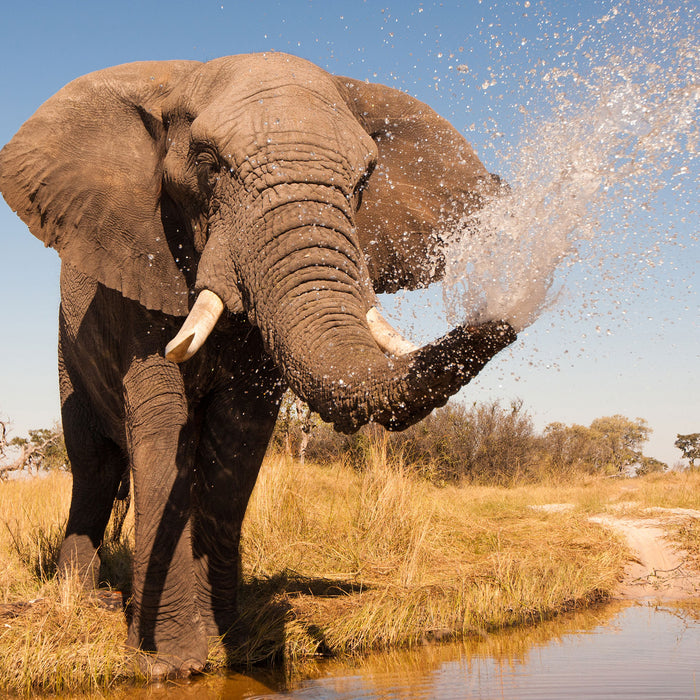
{"x": 611, "y": 141}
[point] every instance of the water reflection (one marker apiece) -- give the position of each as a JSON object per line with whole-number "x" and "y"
{"x": 617, "y": 651}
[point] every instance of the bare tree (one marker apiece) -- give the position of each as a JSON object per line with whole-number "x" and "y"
{"x": 3, "y": 438}
{"x": 295, "y": 424}
{"x": 44, "y": 448}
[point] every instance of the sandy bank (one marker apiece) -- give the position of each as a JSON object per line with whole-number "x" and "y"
{"x": 658, "y": 569}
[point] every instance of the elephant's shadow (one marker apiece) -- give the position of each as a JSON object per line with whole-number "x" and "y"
{"x": 267, "y": 607}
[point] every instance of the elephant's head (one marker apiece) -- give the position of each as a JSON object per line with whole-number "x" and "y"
{"x": 269, "y": 188}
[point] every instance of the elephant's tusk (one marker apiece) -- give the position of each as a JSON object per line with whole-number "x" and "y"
{"x": 389, "y": 339}
{"x": 176, "y": 349}
{"x": 197, "y": 326}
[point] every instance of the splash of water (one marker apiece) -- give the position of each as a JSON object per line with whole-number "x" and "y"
{"x": 615, "y": 137}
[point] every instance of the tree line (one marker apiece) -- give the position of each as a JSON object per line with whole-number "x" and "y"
{"x": 480, "y": 443}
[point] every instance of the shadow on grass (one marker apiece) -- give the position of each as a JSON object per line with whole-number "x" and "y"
{"x": 261, "y": 634}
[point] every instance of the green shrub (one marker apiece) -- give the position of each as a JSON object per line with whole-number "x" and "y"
{"x": 484, "y": 443}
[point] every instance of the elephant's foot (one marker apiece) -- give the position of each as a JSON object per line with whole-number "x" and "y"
{"x": 158, "y": 667}
{"x": 178, "y": 654}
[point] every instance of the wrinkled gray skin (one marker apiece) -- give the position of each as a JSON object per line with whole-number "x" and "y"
{"x": 293, "y": 195}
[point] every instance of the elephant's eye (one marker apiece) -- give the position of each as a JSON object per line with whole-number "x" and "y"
{"x": 207, "y": 160}
{"x": 361, "y": 186}
{"x": 208, "y": 166}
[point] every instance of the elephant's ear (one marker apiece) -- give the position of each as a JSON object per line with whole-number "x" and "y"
{"x": 426, "y": 172}
{"x": 84, "y": 173}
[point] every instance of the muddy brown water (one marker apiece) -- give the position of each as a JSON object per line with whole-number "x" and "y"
{"x": 622, "y": 650}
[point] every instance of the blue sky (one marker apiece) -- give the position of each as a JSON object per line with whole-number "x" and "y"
{"x": 623, "y": 336}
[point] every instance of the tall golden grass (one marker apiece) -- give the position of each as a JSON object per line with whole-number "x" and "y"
{"x": 334, "y": 562}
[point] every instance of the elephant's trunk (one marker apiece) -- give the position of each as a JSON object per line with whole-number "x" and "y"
{"x": 423, "y": 378}
{"x": 350, "y": 384}
{"x": 320, "y": 337}
{"x": 304, "y": 284}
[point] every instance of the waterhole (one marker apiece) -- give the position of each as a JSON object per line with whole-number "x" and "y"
{"x": 636, "y": 651}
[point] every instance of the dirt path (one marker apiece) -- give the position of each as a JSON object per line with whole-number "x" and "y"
{"x": 659, "y": 569}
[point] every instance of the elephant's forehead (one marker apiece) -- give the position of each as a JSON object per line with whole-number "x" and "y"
{"x": 233, "y": 78}
{"x": 243, "y": 104}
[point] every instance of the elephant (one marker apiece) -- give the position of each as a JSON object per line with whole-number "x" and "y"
{"x": 224, "y": 228}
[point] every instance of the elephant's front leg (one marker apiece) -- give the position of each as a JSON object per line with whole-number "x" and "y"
{"x": 237, "y": 426}
{"x": 165, "y": 620}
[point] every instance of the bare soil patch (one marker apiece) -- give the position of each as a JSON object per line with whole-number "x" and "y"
{"x": 658, "y": 569}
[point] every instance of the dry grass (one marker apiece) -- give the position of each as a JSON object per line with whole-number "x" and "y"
{"x": 378, "y": 559}
{"x": 335, "y": 562}
{"x": 642, "y": 497}
{"x": 52, "y": 635}
{"x": 63, "y": 641}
